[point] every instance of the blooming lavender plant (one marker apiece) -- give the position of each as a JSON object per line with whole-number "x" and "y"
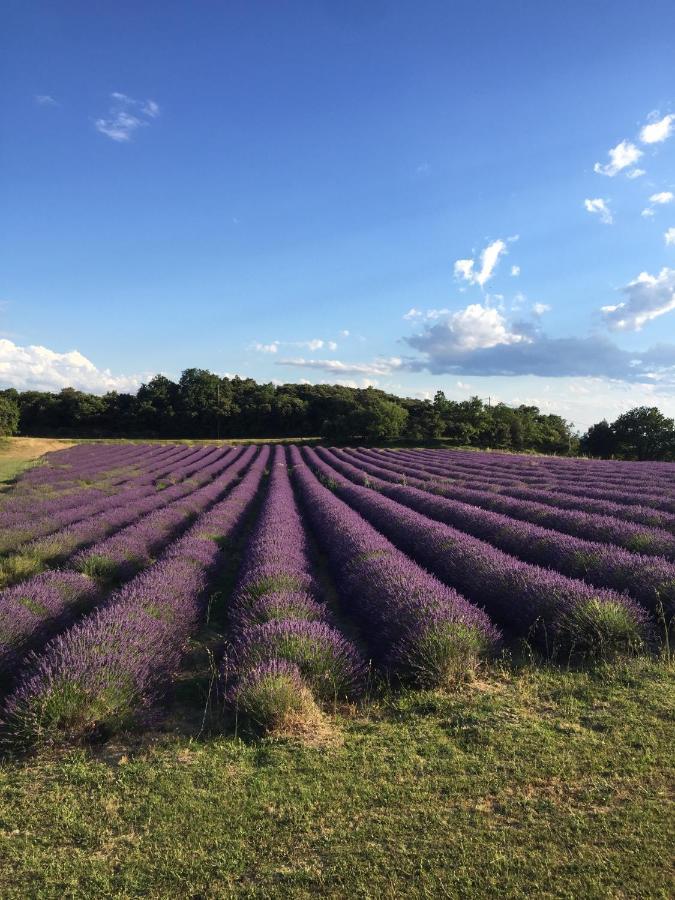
{"x": 274, "y": 610}
{"x": 649, "y": 580}
{"x": 406, "y": 612}
{"x": 530, "y": 601}
{"x": 102, "y": 673}
{"x": 606, "y": 529}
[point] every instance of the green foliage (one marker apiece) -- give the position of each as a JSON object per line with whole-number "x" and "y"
{"x": 642, "y": 433}
{"x": 9, "y": 415}
{"x": 203, "y": 405}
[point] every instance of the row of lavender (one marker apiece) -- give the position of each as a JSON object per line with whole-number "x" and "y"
{"x": 649, "y": 580}
{"x": 572, "y": 481}
{"x": 65, "y": 533}
{"x": 575, "y": 495}
{"x": 105, "y": 671}
{"x": 427, "y": 625}
{"x": 34, "y": 610}
{"x": 562, "y": 614}
{"x": 284, "y": 649}
{"x": 41, "y": 518}
{"x": 657, "y": 499}
{"x": 618, "y": 472}
{"x": 591, "y": 526}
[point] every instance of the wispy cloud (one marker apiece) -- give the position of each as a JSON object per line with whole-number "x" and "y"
{"x": 657, "y": 130}
{"x": 380, "y": 366}
{"x": 599, "y": 207}
{"x": 648, "y": 297}
{"x": 621, "y": 157}
{"x": 660, "y": 199}
{"x": 45, "y": 100}
{"x": 538, "y": 309}
{"x": 466, "y": 268}
{"x": 669, "y": 237}
{"x": 313, "y": 344}
{"x": 126, "y": 116}
{"x": 515, "y": 271}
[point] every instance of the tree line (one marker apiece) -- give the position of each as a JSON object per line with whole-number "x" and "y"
{"x": 202, "y": 404}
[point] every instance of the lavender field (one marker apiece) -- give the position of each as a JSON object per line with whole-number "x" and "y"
{"x": 350, "y": 569}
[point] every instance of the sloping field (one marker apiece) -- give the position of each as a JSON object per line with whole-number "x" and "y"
{"x": 354, "y": 602}
{"x": 356, "y": 567}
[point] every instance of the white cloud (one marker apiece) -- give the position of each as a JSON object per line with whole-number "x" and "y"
{"x": 313, "y": 344}
{"x": 335, "y": 366}
{"x": 670, "y": 237}
{"x": 648, "y": 296}
{"x": 39, "y": 368}
{"x": 266, "y": 348}
{"x": 660, "y": 199}
{"x": 125, "y": 116}
{"x": 425, "y": 314}
{"x": 466, "y": 269}
{"x": 621, "y": 157}
{"x": 657, "y": 130}
{"x": 477, "y": 326}
{"x": 515, "y": 271}
{"x": 344, "y": 332}
{"x": 636, "y": 173}
{"x": 45, "y": 100}
{"x": 599, "y": 206}
{"x": 538, "y": 309}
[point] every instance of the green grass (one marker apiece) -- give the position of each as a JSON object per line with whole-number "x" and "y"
{"x": 530, "y": 783}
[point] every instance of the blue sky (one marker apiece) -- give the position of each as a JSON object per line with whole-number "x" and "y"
{"x": 417, "y": 196}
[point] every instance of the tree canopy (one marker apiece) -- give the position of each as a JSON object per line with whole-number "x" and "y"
{"x": 641, "y": 433}
{"x": 202, "y": 404}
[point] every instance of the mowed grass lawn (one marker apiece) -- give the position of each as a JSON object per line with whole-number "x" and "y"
{"x": 529, "y": 782}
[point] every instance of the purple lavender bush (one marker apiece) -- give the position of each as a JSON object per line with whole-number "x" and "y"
{"x": 104, "y": 672}
{"x": 417, "y": 628}
{"x": 562, "y": 614}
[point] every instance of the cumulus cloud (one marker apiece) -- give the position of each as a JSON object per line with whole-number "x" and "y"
{"x": 669, "y": 237}
{"x": 466, "y": 268}
{"x": 125, "y": 116}
{"x": 599, "y": 207}
{"x": 636, "y": 173}
{"x": 480, "y": 341}
{"x": 515, "y": 271}
{"x": 42, "y": 369}
{"x": 380, "y": 366}
{"x": 648, "y": 296}
{"x": 478, "y": 326}
{"x": 621, "y": 157}
{"x": 538, "y": 309}
{"x": 657, "y": 130}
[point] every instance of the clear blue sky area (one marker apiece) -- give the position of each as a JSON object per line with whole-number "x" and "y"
{"x": 475, "y": 197}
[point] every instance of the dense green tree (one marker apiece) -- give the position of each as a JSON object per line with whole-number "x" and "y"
{"x": 640, "y": 433}
{"x": 9, "y": 416}
{"x": 202, "y": 404}
{"x": 644, "y": 433}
